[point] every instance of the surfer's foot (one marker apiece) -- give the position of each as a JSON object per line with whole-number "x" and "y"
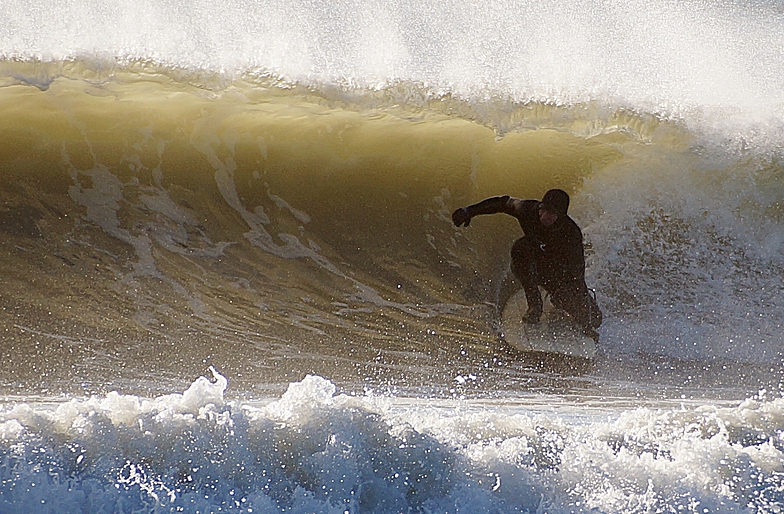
{"x": 593, "y": 334}
{"x": 532, "y": 316}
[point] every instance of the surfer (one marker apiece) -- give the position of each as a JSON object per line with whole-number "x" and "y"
{"x": 550, "y": 255}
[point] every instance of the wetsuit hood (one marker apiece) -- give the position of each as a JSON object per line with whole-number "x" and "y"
{"x": 557, "y": 201}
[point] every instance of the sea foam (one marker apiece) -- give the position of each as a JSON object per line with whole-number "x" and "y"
{"x": 314, "y": 450}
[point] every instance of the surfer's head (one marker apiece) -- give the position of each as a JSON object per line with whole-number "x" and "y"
{"x": 556, "y": 201}
{"x": 554, "y": 205}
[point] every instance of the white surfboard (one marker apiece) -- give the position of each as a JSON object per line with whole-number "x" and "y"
{"x": 555, "y": 333}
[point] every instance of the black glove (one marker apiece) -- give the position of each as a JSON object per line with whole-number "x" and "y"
{"x": 461, "y": 217}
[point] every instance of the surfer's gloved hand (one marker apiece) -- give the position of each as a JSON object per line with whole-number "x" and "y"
{"x": 461, "y": 217}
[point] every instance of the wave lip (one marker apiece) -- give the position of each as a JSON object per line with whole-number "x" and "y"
{"x": 678, "y": 60}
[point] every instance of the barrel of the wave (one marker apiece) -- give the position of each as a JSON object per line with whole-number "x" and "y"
{"x": 549, "y": 263}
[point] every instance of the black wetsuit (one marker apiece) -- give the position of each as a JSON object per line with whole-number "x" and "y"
{"x": 551, "y": 257}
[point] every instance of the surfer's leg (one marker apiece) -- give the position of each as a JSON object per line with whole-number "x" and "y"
{"x": 581, "y": 306}
{"x": 586, "y": 310}
{"x": 524, "y": 269}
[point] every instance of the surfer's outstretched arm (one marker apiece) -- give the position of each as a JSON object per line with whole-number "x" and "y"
{"x": 496, "y": 204}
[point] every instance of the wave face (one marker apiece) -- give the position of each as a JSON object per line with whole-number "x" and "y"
{"x": 144, "y": 211}
{"x": 283, "y": 172}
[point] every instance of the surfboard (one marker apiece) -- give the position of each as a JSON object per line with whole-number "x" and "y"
{"x": 554, "y": 334}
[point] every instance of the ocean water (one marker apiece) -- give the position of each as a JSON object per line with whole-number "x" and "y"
{"x": 230, "y": 281}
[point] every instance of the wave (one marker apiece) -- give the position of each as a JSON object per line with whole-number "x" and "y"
{"x": 297, "y": 223}
{"x": 266, "y": 188}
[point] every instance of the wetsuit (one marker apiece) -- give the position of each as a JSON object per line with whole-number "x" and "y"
{"x": 551, "y": 257}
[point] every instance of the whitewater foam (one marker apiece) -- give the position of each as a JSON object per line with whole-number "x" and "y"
{"x": 314, "y": 450}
